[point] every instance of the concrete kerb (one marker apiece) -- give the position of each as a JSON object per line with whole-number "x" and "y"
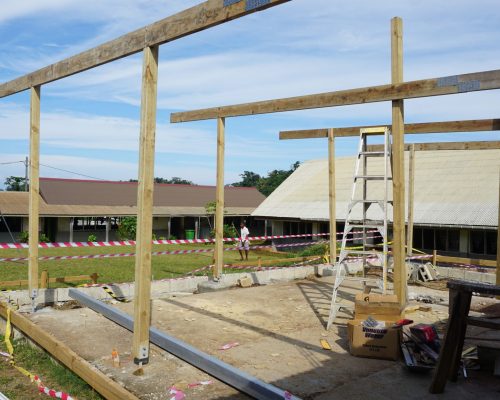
{"x": 189, "y": 285}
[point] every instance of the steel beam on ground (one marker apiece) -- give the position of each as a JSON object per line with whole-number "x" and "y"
{"x": 228, "y": 374}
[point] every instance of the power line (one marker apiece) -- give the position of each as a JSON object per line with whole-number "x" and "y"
{"x": 11, "y": 162}
{"x": 72, "y": 172}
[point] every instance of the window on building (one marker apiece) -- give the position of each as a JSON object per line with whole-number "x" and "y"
{"x": 441, "y": 236}
{"x": 477, "y": 242}
{"x": 417, "y": 238}
{"x": 14, "y": 224}
{"x": 491, "y": 242}
{"x": 453, "y": 240}
{"x": 428, "y": 239}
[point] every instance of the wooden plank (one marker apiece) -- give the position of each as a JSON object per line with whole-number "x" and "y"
{"x": 398, "y": 165}
{"x": 61, "y": 279}
{"x": 34, "y": 190}
{"x": 219, "y": 201}
{"x": 480, "y": 145}
{"x": 142, "y": 295}
{"x": 44, "y": 280}
{"x": 195, "y": 19}
{"x": 107, "y": 387}
{"x": 332, "y": 197}
{"x": 467, "y": 261}
{"x": 474, "y": 125}
{"x": 483, "y": 323}
{"x": 476, "y": 81}
{"x": 411, "y": 195}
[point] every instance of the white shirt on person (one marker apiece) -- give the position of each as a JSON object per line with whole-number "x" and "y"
{"x": 244, "y": 233}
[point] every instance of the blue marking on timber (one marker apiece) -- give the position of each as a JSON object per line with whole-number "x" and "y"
{"x": 447, "y": 81}
{"x": 469, "y": 86}
{"x": 228, "y": 3}
{"x": 252, "y": 4}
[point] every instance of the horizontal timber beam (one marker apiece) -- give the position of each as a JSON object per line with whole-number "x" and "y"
{"x": 482, "y": 145}
{"x": 107, "y": 387}
{"x": 477, "y": 81}
{"x": 228, "y": 374}
{"x": 475, "y": 125}
{"x": 194, "y": 19}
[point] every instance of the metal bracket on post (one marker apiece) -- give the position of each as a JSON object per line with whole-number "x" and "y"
{"x": 144, "y": 356}
{"x": 34, "y": 295}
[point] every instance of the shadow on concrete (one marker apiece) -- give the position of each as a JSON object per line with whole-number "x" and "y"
{"x": 300, "y": 344}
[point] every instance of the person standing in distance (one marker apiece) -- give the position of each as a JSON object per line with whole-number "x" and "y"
{"x": 244, "y": 244}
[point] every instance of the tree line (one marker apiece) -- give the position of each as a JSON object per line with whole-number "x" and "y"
{"x": 264, "y": 184}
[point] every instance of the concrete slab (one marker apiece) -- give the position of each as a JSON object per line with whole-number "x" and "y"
{"x": 278, "y": 328}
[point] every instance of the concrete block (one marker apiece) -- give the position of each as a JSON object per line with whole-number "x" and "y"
{"x": 245, "y": 282}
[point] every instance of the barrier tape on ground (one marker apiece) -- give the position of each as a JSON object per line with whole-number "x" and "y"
{"x": 170, "y": 241}
{"x": 33, "y": 378}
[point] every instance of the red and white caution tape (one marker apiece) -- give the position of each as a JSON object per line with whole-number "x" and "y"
{"x": 54, "y": 394}
{"x": 178, "y": 394}
{"x": 158, "y": 253}
{"x": 116, "y": 243}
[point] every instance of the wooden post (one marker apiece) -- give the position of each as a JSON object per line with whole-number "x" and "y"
{"x": 94, "y": 277}
{"x": 108, "y": 227}
{"x": 44, "y": 280}
{"x": 219, "y": 209}
{"x": 411, "y": 193}
{"x": 331, "y": 196}
{"x": 34, "y": 195}
{"x": 434, "y": 257}
{"x": 398, "y": 247}
{"x": 498, "y": 238}
{"x": 142, "y": 311}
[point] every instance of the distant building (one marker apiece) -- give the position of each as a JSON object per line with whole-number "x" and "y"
{"x": 456, "y": 200}
{"x": 71, "y": 210}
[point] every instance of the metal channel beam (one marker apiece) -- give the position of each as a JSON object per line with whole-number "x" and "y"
{"x": 228, "y": 374}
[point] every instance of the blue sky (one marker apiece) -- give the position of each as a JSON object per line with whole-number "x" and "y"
{"x": 90, "y": 122}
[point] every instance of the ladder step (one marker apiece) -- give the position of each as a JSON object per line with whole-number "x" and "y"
{"x": 372, "y": 225}
{"x": 372, "y": 177}
{"x": 369, "y": 201}
{"x": 363, "y": 252}
{"x": 372, "y": 153}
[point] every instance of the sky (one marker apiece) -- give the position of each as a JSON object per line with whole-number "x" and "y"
{"x": 90, "y": 121}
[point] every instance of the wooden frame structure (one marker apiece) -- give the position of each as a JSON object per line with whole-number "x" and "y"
{"x": 396, "y": 92}
{"x": 146, "y": 40}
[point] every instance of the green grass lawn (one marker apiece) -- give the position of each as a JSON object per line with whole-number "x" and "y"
{"x": 121, "y": 269}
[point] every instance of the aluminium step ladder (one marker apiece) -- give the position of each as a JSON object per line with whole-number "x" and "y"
{"x": 355, "y": 226}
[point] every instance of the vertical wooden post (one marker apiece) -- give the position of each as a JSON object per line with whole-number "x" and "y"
{"x": 34, "y": 190}
{"x": 142, "y": 311}
{"x": 44, "y": 280}
{"x": 434, "y": 257}
{"x": 331, "y": 196}
{"x": 108, "y": 228}
{"x": 411, "y": 193}
{"x": 219, "y": 209}
{"x": 398, "y": 247}
{"x": 498, "y": 237}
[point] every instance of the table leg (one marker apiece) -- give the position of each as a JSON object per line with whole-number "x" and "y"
{"x": 450, "y": 344}
{"x": 463, "y": 310}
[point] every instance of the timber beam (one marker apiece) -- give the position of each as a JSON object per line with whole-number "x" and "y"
{"x": 481, "y": 145}
{"x": 475, "y": 125}
{"x": 107, "y": 387}
{"x": 202, "y": 16}
{"x": 477, "y": 81}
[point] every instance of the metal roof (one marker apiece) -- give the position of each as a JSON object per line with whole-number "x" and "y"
{"x": 66, "y": 197}
{"x": 451, "y": 188}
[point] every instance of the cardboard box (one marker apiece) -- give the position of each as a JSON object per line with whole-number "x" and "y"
{"x": 373, "y": 343}
{"x": 383, "y": 307}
